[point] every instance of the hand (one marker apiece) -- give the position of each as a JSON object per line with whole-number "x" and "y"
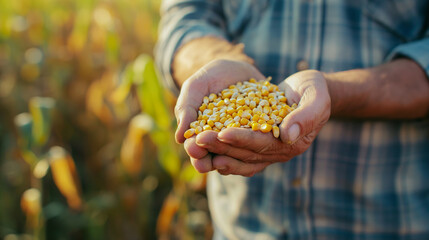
{"x": 246, "y": 152}
{"x": 213, "y": 77}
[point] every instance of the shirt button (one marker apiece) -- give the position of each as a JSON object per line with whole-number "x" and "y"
{"x": 302, "y": 65}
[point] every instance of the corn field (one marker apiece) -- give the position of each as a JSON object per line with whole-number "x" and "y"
{"x": 87, "y": 146}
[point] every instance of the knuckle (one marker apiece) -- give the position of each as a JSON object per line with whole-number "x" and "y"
{"x": 177, "y": 109}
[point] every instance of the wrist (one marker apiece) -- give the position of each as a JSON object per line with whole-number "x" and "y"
{"x": 348, "y": 91}
{"x": 190, "y": 57}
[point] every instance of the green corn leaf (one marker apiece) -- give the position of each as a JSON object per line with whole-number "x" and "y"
{"x": 123, "y": 90}
{"x": 169, "y": 160}
{"x": 24, "y": 124}
{"x": 150, "y": 91}
{"x": 189, "y": 174}
{"x": 41, "y": 111}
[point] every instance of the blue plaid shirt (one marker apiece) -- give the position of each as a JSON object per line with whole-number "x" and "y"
{"x": 359, "y": 179}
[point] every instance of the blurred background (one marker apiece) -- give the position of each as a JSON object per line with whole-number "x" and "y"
{"x": 87, "y": 145}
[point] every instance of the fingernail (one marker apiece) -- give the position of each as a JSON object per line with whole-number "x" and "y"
{"x": 221, "y": 138}
{"x": 293, "y": 133}
{"x": 199, "y": 142}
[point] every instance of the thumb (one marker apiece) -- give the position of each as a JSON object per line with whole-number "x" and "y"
{"x": 184, "y": 117}
{"x": 311, "y": 114}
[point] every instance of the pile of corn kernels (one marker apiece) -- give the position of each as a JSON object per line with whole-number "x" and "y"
{"x": 257, "y": 105}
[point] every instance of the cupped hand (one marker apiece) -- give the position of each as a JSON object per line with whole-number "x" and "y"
{"x": 246, "y": 152}
{"x": 212, "y": 78}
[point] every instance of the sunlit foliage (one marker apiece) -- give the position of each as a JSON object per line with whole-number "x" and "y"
{"x": 87, "y": 145}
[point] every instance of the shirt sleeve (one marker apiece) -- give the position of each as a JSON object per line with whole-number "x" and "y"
{"x": 416, "y": 50}
{"x": 182, "y": 21}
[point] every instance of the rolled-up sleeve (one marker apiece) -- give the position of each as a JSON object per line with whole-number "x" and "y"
{"x": 182, "y": 21}
{"x": 416, "y": 50}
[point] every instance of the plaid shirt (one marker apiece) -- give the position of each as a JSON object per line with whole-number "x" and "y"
{"x": 359, "y": 179}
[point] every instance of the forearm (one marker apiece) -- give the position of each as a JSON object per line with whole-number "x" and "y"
{"x": 395, "y": 90}
{"x": 198, "y": 52}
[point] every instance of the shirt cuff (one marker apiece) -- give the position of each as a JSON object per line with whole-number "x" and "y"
{"x": 417, "y": 51}
{"x": 169, "y": 50}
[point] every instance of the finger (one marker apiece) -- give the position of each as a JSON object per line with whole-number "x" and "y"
{"x": 193, "y": 150}
{"x": 311, "y": 115}
{"x": 210, "y": 141}
{"x": 203, "y": 164}
{"x": 292, "y": 95}
{"x": 227, "y": 165}
{"x": 313, "y": 110}
{"x": 255, "y": 141}
{"x": 186, "y": 109}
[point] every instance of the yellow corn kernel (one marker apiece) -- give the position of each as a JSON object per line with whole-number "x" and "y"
{"x": 266, "y": 128}
{"x": 241, "y": 101}
{"x": 264, "y": 117}
{"x": 212, "y": 97}
{"x": 266, "y": 109}
{"x": 283, "y": 99}
{"x": 283, "y": 112}
{"x": 256, "y": 126}
{"x": 256, "y": 100}
{"x": 271, "y": 121}
{"x": 264, "y": 92}
{"x": 271, "y": 88}
{"x": 223, "y": 119}
{"x": 244, "y": 121}
{"x": 236, "y": 124}
{"x": 255, "y": 117}
{"x": 189, "y": 133}
{"x": 252, "y": 104}
{"x": 218, "y": 125}
{"x": 252, "y": 80}
{"x": 206, "y": 100}
{"x": 275, "y": 112}
{"x": 216, "y": 118}
{"x": 230, "y": 110}
{"x": 210, "y": 123}
{"x": 194, "y": 124}
{"x": 246, "y": 101}
{"x": 208, "y": 111}
{"x": 220, "y": 103}
{"x": 198, "y": 130}
{"x": 272, "y": 101}
{"x": 246, "y": 114}
{"x": 228, "y": 122}
{"x": 227, "y": 94}
{"x": 276, "y": 132}
{"x": 211, "y": 105}
{"x": 256, "y": 111}
{"x": 207, "y": 127}
{"x": 203, "y": 107}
